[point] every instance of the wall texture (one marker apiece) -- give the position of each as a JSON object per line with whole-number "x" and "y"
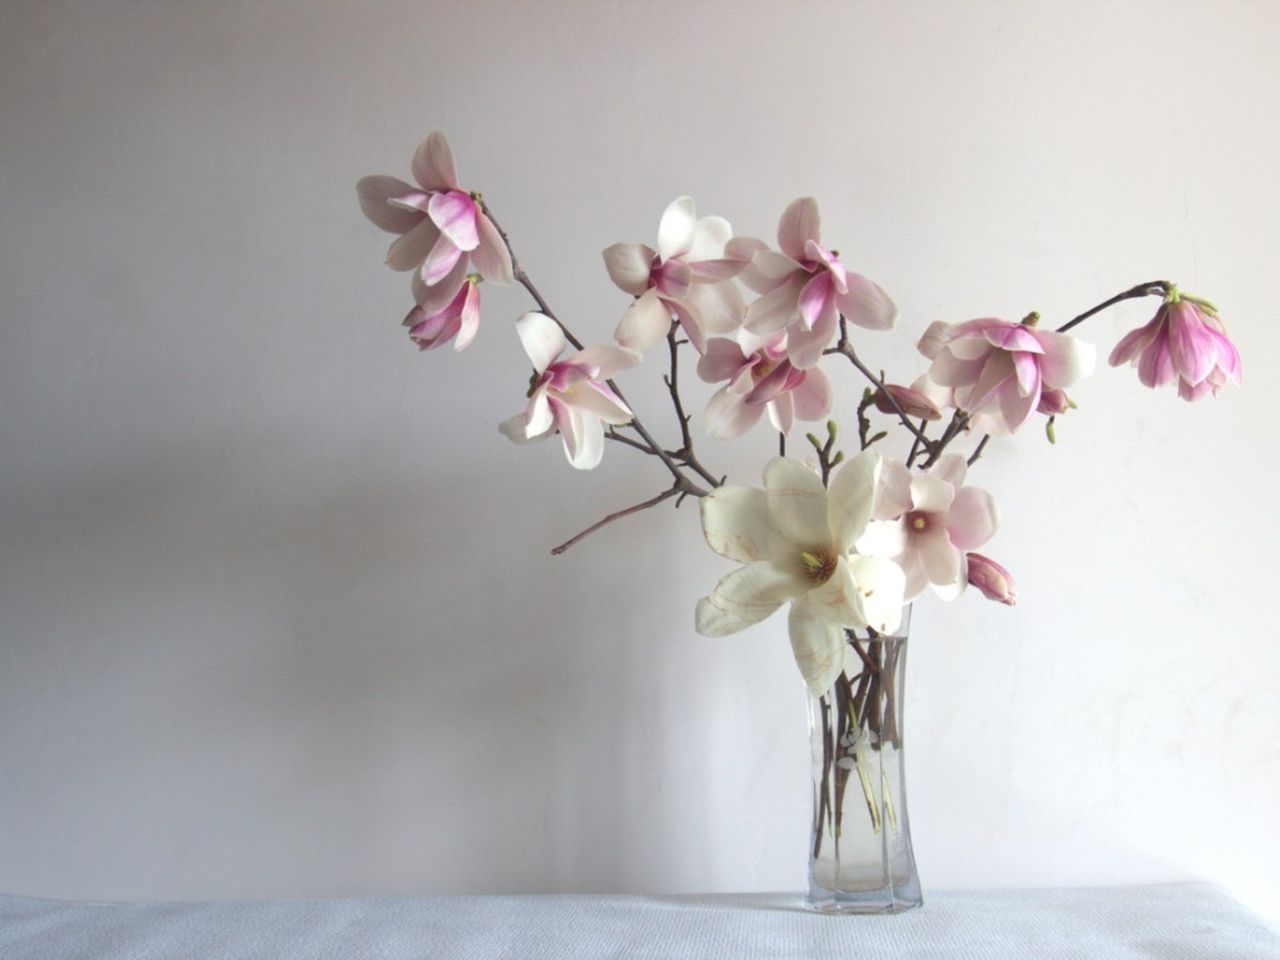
{"x": 276, "y": 613}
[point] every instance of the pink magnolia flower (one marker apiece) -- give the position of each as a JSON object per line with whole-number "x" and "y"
{"x": 684, "y": 277}
{"x": 570, "y": 395}
{"x": 805, "y": 288}
{"x": 1185, "y": 341}
{"x": 759, "y": 381}
{"x": 995, "y": 582}
{"x": 927, "y": 522}
{"x": 458, "y": 320}
{"x": 441, "y": 226}
{"x": 996, "y": 370}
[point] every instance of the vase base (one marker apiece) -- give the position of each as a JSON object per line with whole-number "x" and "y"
{"x": 897, "y": 899}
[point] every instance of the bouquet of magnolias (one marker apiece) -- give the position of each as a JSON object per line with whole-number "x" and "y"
{"x": 848, "y": 541}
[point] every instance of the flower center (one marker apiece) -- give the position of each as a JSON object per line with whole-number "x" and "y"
{"x": 918, "y": 521}
{"x": 819, "y": 565}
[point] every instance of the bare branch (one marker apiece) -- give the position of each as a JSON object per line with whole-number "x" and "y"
{"x": 674, "y": 490}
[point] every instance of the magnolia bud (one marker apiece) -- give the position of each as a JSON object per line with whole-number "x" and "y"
{"x": 913, "y": 402}
{"x": 995, "y": 582}
{"x": 1054, "y": 400}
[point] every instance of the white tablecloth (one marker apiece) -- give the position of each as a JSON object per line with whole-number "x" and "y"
{"x": 1166, "y": 922}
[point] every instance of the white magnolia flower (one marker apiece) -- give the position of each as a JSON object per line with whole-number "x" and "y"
{"x": 795, "y": 539}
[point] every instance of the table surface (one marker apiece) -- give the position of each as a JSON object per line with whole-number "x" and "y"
{"x": 1175, "y": 921}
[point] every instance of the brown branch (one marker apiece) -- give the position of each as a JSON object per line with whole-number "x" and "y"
{"x": 982, "y": 445}
{"x": 618, "y": 515}
{"x": 1155, "y": 287}
{"x": 845, "y": 348}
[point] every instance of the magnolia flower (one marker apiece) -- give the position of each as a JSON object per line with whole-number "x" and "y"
{"x": 1185, "y": 341}
{"x": 440, "y": 225}
{"x": 458, "y": 320}
{"x": 569, "y": 395}
{"x": 926, "y": 522}
{"x": 995, "y": 582}
{"x": 759, "y": 381}
{"x": 805, "y": 287}
{"x": 684, "y": 277}
{"x": 996, "y": 370}
{"x": 794, "y": 539}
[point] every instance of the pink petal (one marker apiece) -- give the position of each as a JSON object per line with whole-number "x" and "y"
{"x": 813, "y": 395}
{"x": 820, "y": 254}
{"x": 866, "y": 304}
{"x": 949, "y": 370}
{"x": 799, "y": 224}
{"x": 1228, "y": 357}
{"x": 816, "y": 298}
{"x": 1155, "y": 366}
{"x": 996, "y": 372}
{"x": 491, "y": 256}
{"x": 435, "y": 297}
{"x": 455, "y": 214}
{"x": 776, "y": 309}
{"x": 433, "y": 164}
{"x": 722, "y": 360}
{"x": 407, "y": 252}
{"x": 950, "y": 467}
{"x": 1134, "y": 342}
{"x": 804, "y": 347}
{"x": 1026, "y": 370}
{"x": 937, "y": 336}
{"x": 470, "y": 317}
{"x": 939, "y": 557}
{"x": 973, "y": 518}
{"x": 1015, "y": 408}
{"x": 629, "y": 265}
{"x": 772, "y": 385}
{"x": 672, "y": 279}
{"x": 729, "y": 416}
{"x": 444, "y": 256}
{"x": 1014, "y": 336}
{"x": 690, "y": 321}
{"x": 374, "y": 194}
{"x": 1191, "y": 345}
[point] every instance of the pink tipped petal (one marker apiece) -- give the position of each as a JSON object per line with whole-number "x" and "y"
{"x": 866, "y": 304}
{"x": 723, "y": 360}
{"x": 973, "y": 518}
{"x": 444, "y": 256}
{"x": 813, "y": 395}
{"x": 673, "y": 279}
{"x": 470, "y": 317}
{"x": 782, "y": 413}
{"x": 491, "y": 256}
{"x": 433, "y": 164}
{"x": 603, "y": 361}
{"x": 676, "y": 229}
{"x": 776, "y": 309}
{"x": 816, "y": 298}
{"x": 437, "y": 296}
{"x": 1191, "y": 343}
{"x": 598, "y": 400}
{"x": 455, "y": 214}
{"x": 645, "y": 323}
{"x": 1015, "y": 408}
{"x": 1014, "y": 336}
{"x": 408, "y": 252}
{"x": 768, "y": 269}
{"x": 1027, "y": 372}
{"x": 799, "y": 224}
{"x": 772, "y": 385}
{"x": 805, "y": 346}
{"x": 542, "y": 339}
{"x": 629, "y": 265}
{"x": 728, "y": 415}
{"x": 996, "y": 372}
{"x": 374, "y": 194}
{"x": 1133, "y": 343}
{"x": 1066, "y": 359}
{"x": 948, "y": 370}
{"x": 817, "y": 253}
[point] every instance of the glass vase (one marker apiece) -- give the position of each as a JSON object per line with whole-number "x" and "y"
{"x": 860, "y": 858}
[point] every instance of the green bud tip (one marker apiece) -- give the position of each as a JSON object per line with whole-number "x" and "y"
{"x": 1048, "y": 431}
{"x": 814, "y": 440}
{"x": 837, "y": 458}
{"x": 1031, "y": 319}
{"x": 831, "y": 429}
{"x": 474, "y": 278}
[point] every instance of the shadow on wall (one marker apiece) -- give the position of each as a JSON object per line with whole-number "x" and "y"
{"x": 273, "y": 666}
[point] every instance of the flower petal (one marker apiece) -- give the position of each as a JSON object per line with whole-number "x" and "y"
{"x": 513, "y": 428}
{"x": 444, "y": 256}
{"x": 948, "y": 370}
{"x": 939, "y": 556}
{"x": 1134, "y": 342}
{"x": 797, "y": 502}
{"x": 455, "y": 214}
{"x": 816, "y": 298}
{"x": 799, "y": 224}
{"x": 598, "y": 400}
{"x": 737, "y": 524}
{"x": 817, "y": 645}
{"x": 407, "y": 252}
{"x": 470, "y": 318}
{"x": 804, "y": 347}
{"x": 1155, "y": 365}
{"x": 1066, "y": 359}
{"x": 728, "y": 414}
{"x": 374, "y": 194}
{"x": 722, "y": 360}
{"x": 937, "y": 336}
{"x": 433, "y": 164}
{"x": 866, "y": 304}
{"x": 893, "y": 492}
{"x": 931, "y": 494}
{"x": 851, "y": 497}
{"x": 746, "y": 596}
{"x": 645, "y": 323}
{"x": 603, "y": 361}
{"x": 813, "y": 395}
{"x": 883, "y": 538}
{"x": 491, "y": 256}
{"x": 720, "y": 306}
{"x": 774, "y": 310}
{"x": 542, "y": 339}
{"x": 879, "y": 587}
{"x": 629, "y": 266}
{"x": 973, "y": 518}
{"x": 1191, "y": 344}
{"x": 710, "y": 236}
{"x": 782, "y": 413}
{"x": 676, "y": 229}
{"x": 588, "y": 448}
{"x": 950, "y": 467}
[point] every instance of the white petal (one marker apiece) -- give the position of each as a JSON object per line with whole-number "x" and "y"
{"x": 542, "y": 339}
{"x": 850, "y": 498}
{"x": 836, "y": 600}
{"x": 950, "y": 591}
{"x": 746, "y": 596}
{"x": 799, "y": 224}
{"x": 950, "y": 467}
{"x": 776, "y": 309}
{"x": 513, "y": 428}
{"x": 645, "y": 323}
{"x": 880, "y": 586}
{"x": 710, "y": 236}
{"x": 629, "y": 265}
{"x": 720, "y": 306}
{"x": 797, "y": 502}
{"x": 883, "y": 538}
{"x": 599, "y": 400}
{"x": 540, "y": 418}
{"x": 737, "y": 525}
{"x": 939, "y": 556}
{"x": 374, "y": 194}
{"x": 931, "y": 494}
{"x": 722, "y": 360}
{"x": 893, "y": 495}
{"x": 782, "y": 412}
{"x": 491, "y": 256}
{"x": 767, "y": 269}
{"x": 934, "y": 338}
{"x": 817, "y": 645}
{"x": 1066, "y": 359}
{"x": 589, "y": 439}
{"x": 604, "y": 361}
{"x": 866, "y": 304}
{"x": 433, "y": 165}
{"x": 407, "y": 252}
{"x": 813, "y": 396}
{"x": 675, "y": 230}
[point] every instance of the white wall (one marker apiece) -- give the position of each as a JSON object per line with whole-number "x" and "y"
{"x": 276, "y": 614}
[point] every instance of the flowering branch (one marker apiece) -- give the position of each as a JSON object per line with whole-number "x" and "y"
{"x": 1154, "y": 288}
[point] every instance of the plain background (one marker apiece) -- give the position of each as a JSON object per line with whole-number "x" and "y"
{"x": 276, "y": 612}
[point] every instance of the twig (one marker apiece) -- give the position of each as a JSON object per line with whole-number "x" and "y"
{"x": 618, "y": 515}
{"x": 845, "y": 348}
{"x": 915, "y": 444}
{"x": 982, "y": 444}
{"x": 1160, "y": 287}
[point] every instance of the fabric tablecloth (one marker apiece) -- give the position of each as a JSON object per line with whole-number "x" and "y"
{"x": 1167, "y": 922}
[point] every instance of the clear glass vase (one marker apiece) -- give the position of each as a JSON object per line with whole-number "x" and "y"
{"x": 860, "y": 858}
